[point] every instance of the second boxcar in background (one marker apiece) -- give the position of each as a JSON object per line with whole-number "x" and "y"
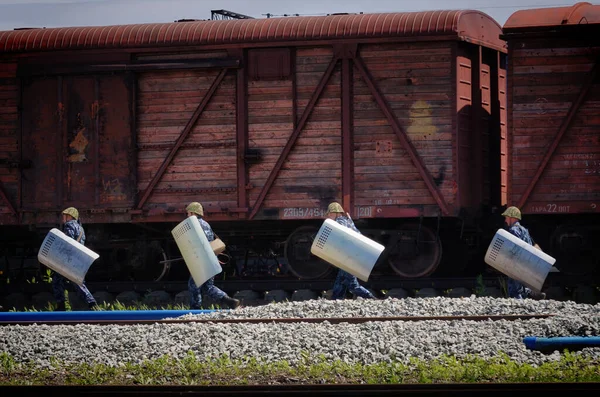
{"x": 553, "y": 144}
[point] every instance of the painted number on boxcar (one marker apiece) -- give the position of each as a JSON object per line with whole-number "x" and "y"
{"x": 363, "y": 212}
{"x": 551, "y": 208}
{"x": 303, "y": 213}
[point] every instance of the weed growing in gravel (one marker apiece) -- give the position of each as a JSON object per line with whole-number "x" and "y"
{"x": 223, "y": 370}
{"x": 114, "y": 306}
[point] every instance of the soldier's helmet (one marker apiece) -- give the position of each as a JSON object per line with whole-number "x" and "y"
{"x": 195, "y": 208}
{"x": 512, "y": 212}
{"x": 334, "y": 207}
{"x": 71, "y": 211}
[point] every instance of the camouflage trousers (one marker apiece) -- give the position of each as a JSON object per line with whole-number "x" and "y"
{"x": 516, "y": 289}
{"x": 345, "y": 282}
{"x": 207, "y": 289}
{"x": 59, "y": 283}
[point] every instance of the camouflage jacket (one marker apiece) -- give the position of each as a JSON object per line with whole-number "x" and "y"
{"x": 521, "y": 232}
{"x": 345, "y": 221}
{"x": 72, "y": 229}
{"x": 210, "y": 235}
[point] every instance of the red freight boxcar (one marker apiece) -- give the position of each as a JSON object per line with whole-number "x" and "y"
{"x": 398, "y": 116}
{"x": 554, "y": 129}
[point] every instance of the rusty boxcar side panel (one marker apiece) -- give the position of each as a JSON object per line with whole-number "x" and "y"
{"x": 416, "y": 81}
{"x": 9, "y": 143}
{"x": 76, "y": 133}
{"x": 554, "y": 125}
{"x": 481, "y": 125}
{"x": 258, "y": 119}
{"x": 205, "y": 163}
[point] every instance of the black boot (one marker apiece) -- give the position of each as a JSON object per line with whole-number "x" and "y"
{"x": 60, "y": 307}
{"x": 230, "y": 302}
{"x": 538, "y": 296}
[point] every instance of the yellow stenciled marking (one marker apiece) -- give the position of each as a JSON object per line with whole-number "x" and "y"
{"x": 421, "y": 119}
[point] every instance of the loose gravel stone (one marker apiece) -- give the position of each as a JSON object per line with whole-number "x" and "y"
{"x": 367, "y": 343}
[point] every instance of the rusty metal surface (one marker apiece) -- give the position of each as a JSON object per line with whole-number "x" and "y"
{"x": 564, "y": 127}
{"x": 552, "y": 149}
{"x": 472, "y": 26}
{"x": 77, "y": 133}
{"x": 347, "y": 137}
{"x": 401, "y": 134}
{"x": 42, "y": 115}
{"x": 582, "y": 13}
{"x": 294, "y": 136}
{"x": 183, "y": 135}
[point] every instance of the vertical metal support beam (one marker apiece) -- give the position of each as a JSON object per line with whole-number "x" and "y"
{"x": 404, "y": 140}
{"x": 95, "y": 109}
{"x": 19, "y": 203}
{"x": 184, "y": 134}
{"x": 132, "y": 84}
{"x": 290, "y": 143}
{"x": 61, "y": 144}
{"x": 561, "y": 132}
{"x": 347, "y": 137}
{"x": 242, "y": 136}
{"x": 294, "y": 90}
{"x": 476, "y": 131}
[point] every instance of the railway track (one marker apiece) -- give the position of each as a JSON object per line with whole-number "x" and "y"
{"x": 105, "y": 318}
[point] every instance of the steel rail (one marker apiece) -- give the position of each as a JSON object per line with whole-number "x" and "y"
{"x": 331, "y": 320}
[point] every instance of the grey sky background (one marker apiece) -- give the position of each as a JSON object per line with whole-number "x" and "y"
{"x": 64, "y": 13}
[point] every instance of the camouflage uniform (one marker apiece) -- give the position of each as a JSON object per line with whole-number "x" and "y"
{"x": 515, "y": 288}
{"x": 72, "y": 229}
{"x": 345, "y": 281}
{"x": 208, "y": 288}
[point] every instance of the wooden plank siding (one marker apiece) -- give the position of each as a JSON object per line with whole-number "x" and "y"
{"x": 546, "y": 79}
{"x": 416, "y": 80}
{"x": 9, "y": 139}
{"x": 204, "y": 168}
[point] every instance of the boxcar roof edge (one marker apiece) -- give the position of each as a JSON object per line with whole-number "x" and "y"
{"x": 467, "y": 25}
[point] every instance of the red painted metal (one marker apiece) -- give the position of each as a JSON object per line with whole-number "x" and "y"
{"x": 347, "y": 137}
{"x": 561, "y": 132}
{"x": 292, "y": 140}
{"x": 242, "y": 135}
{"x": 578, "y": 14}
{"x": 186, "y": 131}
{"x": 404, "y": 140}
{"x": 457, "y": 23}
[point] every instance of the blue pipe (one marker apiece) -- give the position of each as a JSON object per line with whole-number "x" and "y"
{"x": 109, "y": 315}
{"x": 561, "y": 342}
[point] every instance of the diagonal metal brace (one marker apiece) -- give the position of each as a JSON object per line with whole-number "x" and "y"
{"x": 404, "y": 140}
{"x": 561, "y": 132}
{"x": 184, "y": 134}
{"x": 290, "y": 143}
{"x": 5, "y": 198}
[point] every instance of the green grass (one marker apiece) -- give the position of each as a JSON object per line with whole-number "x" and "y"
{"x": 113, "y": 306}
{"x": 225, "y": 371}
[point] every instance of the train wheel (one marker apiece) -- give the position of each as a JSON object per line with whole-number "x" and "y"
{"x": 574, "y": 250}
{"x": 414, "y": 252}
{"x": 301, "y": 262}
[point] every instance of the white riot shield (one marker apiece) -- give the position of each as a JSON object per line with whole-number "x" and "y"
{"x": 66, "y": 256}
{"x": 519, "y": 260}
{"x": 196, "y": 251}
{"x": 346, "y": 249}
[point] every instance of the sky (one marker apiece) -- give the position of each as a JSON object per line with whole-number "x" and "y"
{"x": 65, "y": 13}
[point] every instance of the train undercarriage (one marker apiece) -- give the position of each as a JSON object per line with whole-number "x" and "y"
{"x": 442, "y": 254}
